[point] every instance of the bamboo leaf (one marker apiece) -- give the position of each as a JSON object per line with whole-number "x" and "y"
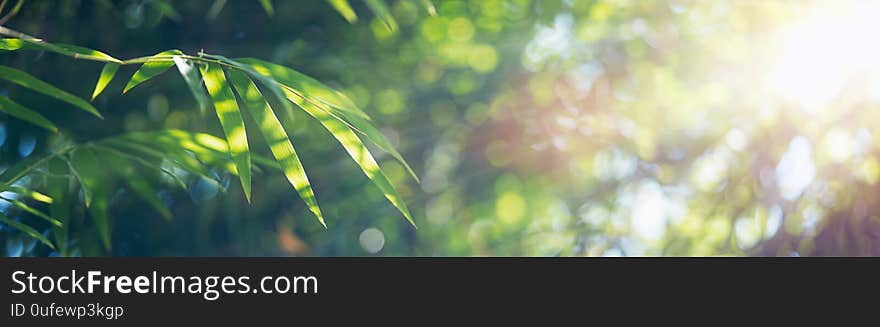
{"x": 135, "y": 180}
{"x": 24, "y": 79}
{"x": 104, "y": 79}
{"x": 306, "y": 86}
{"x": 18, "y": 111}
{"x": 77, "y": 52}
{"x": 359, "y": 153}
{"x": 344, "y": 9}
{"x": 85, "y": 167}
{"x": 381, "y": 10}
{"x": 299, "y": 86}
{"x": 27, "y": 193}
{"x": 11, "y": 44}
{"x": 58, "y": 186}
{"x": 267, "y": 6}
{"x": 23, "y": 167}
{"x": 31, "y": 210}
{"x": 231, "y": 121}
{"x": 26, "y": 229}
{"x": 277, "y": 139}
{"x": 155, "y": 66}
{"x": 193, "y": 80}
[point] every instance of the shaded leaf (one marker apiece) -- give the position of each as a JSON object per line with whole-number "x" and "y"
{"x": 77, "y": 52}
{"x": 85, "y": 167}
{"x": 24, "y": 79}
{"x": 58, "y": 187}
{"x": 26, "y": 229}
{"x": 18, "y": 111}
{"x": 23, "y": 167}
{"x": 135, "y": 180}
{"x": 231, "y": 121}
{"x": 154, "y": 66}
{"x": 104, "y": 79}
{"x": 193, "y": 81}
{"x": 277, "y": 139}
{"x": 31, "y": 210}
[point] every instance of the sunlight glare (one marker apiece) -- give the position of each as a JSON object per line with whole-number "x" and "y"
{"x": 824, "y": 52}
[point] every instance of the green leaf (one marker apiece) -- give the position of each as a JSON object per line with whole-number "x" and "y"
{"x": 381, "y": 10}
{"x": 155, "y": 66}
{"x": 299, "y": 86}
{"x": 85, "y": 167}
{"x": 304, "y": 85}
{"x": 141, "y": 160}
{"x": 77, "y": 52}
{"x": 359, "y": 153}
{"x": 231, "y": 121}
{"x": 18, "y": 111}
{"x": 277, "y": 139}
{"x": 267, "y": 6}
{"x": 27, "y": 193}
{"x": 26, "y": 229}
{"x": 23, "y": 167}
{"x": 134, "y": 179}
{"x": 193, "y": 81}
{"x": 344, "y": 9}
{"x": 58, "y": 186}
{"x": 31, "y": 210}
{"x": 24, "y": 79}
{"x": 11, "y": 44}
{"x": 107, "y": 74}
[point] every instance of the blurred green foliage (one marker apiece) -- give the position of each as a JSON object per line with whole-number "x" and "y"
{"x": 552, "y": 127}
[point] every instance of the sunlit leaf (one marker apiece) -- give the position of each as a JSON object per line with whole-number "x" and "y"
{"x": 193, "y": 80}
{"x": 231, "y": 121}
{"x": 325, "y": 98}
{"x": 308, "y": 87}
{"x": 381, "y": 10}
{"x": 104, "y": 79}
{"x": 152, "y": 68}
{"x": 26, "y": 229}
{"x": 18, "y": 111}
{"x": 11, "y": 44}
{"x": 24, "y": 79}
{"x": 344, "y": 9}
{"x": 359, "y": 153}
{"x": 277, "y": 139}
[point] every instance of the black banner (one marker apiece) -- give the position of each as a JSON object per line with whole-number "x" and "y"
{"x": 248, "y": 290}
